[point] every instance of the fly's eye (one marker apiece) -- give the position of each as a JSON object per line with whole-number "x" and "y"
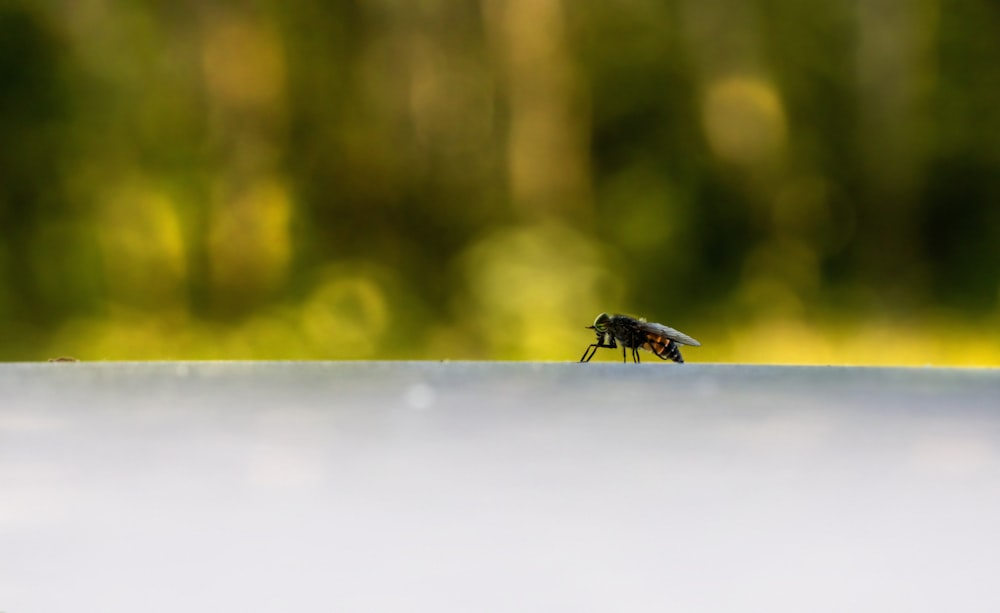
{"x": 601, "y": 323}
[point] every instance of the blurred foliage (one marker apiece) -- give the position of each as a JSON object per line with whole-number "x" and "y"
{"x": 786, "y": 181}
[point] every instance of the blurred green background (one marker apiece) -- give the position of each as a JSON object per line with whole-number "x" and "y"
{"x": 786, "y": 181}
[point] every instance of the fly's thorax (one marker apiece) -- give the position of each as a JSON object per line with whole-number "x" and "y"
{"x": 625, "y": 329}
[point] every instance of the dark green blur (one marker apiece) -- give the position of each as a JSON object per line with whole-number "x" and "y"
{"x": 785, "y": 181}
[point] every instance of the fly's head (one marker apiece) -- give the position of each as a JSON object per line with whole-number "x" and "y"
{"x": 600, "y": 326}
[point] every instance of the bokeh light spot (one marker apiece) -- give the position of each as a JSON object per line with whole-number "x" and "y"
{"x": 143, "y": 246}
{"x": 249, "y": 239}
{"x": 348, "y": 314}
{"x": 744, "y": 120}
{"x": 534, "y": 289}
{"x": 243, "y": 63}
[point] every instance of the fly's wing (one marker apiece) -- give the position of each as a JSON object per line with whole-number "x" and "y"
{"x": 660, "y": 335}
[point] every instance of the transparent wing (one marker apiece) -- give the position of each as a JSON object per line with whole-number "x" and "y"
{"x": 660, "y": 334}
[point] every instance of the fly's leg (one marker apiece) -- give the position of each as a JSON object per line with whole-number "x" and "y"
{"x": 600, "y": 344}
{"x": 635, "y": 355}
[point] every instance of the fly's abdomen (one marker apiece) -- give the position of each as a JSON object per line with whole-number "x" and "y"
{"x": 665, "y": 349}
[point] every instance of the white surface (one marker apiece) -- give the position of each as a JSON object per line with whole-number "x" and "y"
{"x": 497, "y": 487}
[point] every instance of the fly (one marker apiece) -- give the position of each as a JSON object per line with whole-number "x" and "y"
{"x": 637, "y": 334}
